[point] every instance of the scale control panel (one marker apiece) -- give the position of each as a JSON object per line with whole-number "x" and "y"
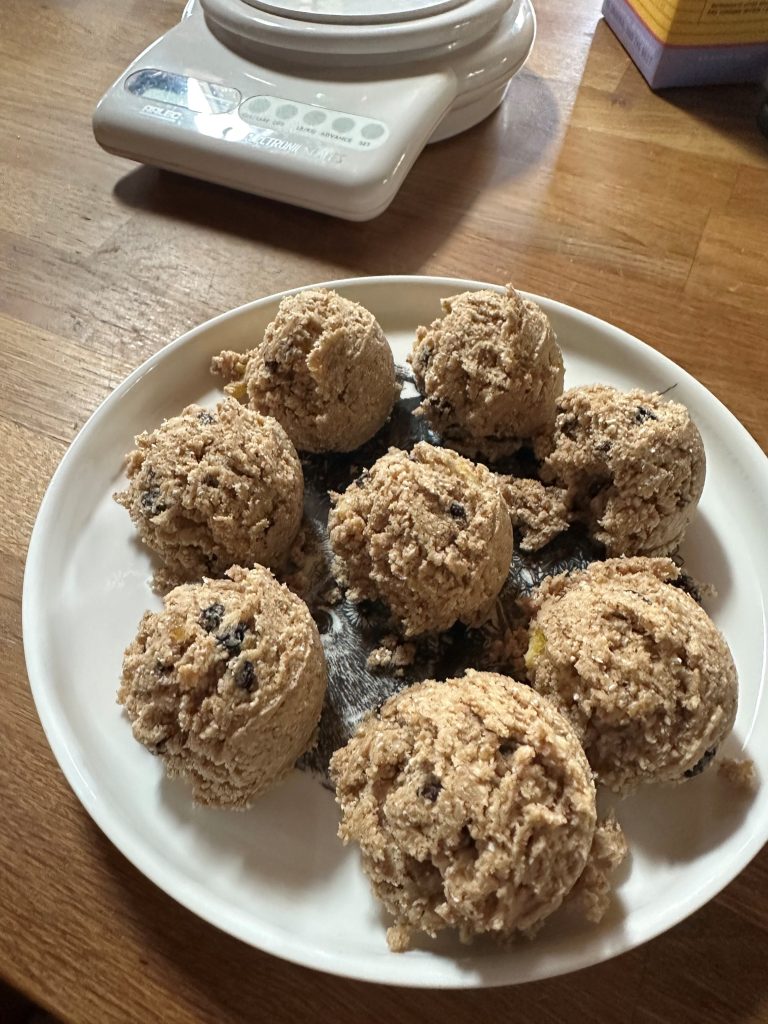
{"x": 222, "y": 111}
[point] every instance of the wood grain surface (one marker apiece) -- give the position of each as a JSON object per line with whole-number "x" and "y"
{"x": 648, "y": 210}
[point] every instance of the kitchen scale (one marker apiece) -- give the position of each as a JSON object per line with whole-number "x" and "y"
{"x": 321, "y": 103}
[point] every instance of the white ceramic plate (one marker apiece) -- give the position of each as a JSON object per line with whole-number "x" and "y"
{"x": 277, "y": 877}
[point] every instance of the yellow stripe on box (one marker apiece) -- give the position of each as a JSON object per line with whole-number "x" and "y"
{"x": 705, "y": 22}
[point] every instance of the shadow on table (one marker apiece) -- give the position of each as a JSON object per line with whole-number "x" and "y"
{"x": 436, "y": 194}
{"x": 731, "y": 110}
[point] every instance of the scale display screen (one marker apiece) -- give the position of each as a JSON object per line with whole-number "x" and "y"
{"x": 183, "y": 91}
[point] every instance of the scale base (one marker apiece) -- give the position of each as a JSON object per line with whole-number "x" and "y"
{"x": 340, "y": 146}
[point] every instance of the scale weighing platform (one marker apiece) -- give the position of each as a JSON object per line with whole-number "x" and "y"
{"x": 324, "y": 104}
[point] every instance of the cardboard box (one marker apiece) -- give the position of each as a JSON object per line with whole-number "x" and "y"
{"x": 693, "y": 42}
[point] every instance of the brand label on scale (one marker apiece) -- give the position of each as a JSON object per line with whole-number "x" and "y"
{"x": 266, "y": 139}
{"x": 162, "y": 112}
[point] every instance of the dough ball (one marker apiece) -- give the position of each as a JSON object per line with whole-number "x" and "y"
{"x": 641, "y": 671}
{"x": 633, "y": 465}
{"x": 427, "y": 533}
{"x": 490, "y": 371}
{"x": 212, "y": 488}
{"x": 473, "y": 805}
{"x": 324, "y": 370}
{"x": 226, "y": 684}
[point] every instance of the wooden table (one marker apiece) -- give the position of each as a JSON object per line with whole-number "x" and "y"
{"x": 650, "y": 211}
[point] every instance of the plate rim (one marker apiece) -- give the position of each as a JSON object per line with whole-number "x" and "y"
{"x": 402, "y": 971}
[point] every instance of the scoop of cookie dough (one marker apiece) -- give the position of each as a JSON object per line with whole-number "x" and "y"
{"x": 490, "y": 371}
{"x": 473, "y": 805}
{"x": 226, "y": 684}
{"x": 324, "y": 370}
{"x": 428, "y": 534}
{"x": 637, "y": 666}
{"x": 212, "y": 488}
{"x": 633, "y": 465}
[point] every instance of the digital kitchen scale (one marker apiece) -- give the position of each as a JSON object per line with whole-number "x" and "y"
{"x": 320, "y": 103}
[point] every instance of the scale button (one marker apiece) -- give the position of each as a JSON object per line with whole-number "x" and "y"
{"x": 256, "y": 105}
{"x": 343, "y": 124}
{"x": 314, "y": 117}
{"x": 287, "y": 111}
{"x": 372, "y": 131}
